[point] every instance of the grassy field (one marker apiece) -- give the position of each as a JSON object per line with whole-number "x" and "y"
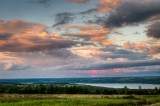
{"x": 79, "y": 100}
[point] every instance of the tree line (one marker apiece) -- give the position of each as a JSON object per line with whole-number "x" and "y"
{"x": 43, "y": 89}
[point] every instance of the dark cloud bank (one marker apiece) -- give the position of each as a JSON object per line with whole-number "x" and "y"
{"x": 40, "y": 45}
{"x": 5, "y": 36}
{"x": 134, "y": 59}
{"x": 114, "y": 65}
{"x": 154, "y": 30}
{"x": 129, "y": 13}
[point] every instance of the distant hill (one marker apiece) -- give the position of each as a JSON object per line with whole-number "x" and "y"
{"x": 146, "y": 80}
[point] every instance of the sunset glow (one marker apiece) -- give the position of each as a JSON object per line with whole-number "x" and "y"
{"x": 79, "y": 38}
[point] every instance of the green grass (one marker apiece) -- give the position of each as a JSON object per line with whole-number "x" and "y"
{"x": 66, "y": 102}
{"x": 75, "y": 100}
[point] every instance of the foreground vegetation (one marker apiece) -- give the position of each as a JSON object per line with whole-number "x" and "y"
{"x": 44, "y": 95}
{"x": 70, "y": 100}
{"x": 43, "y": 89}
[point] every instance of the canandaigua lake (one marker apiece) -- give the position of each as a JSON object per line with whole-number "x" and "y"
{"x": 121, "y": 85}
{"x": 149, "y": 82}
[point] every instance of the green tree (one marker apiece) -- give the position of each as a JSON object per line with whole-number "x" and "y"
{"x": 125, "y": 90}
{"x": 155, "y": 90}
{"x": 27, "y": 89}
{"x": 42, "y": 89}
{"x": 139, "y": 87}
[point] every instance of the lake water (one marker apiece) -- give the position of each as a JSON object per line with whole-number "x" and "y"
{"x": 121, "y": 85}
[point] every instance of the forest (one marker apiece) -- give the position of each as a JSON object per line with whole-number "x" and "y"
{"x": 43, "y": 89}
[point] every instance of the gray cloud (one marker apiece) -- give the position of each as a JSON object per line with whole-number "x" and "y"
{"x": 85, "y": 37}
{"x": 142, "y": 73}
{"x": 66, "y": 17}
{"x": 131, "y": 59}
{"x": 43, "y": 1}
{"x": 154, "y": 30}
{"x": 61, "y": 53}
{"x": 5, "y": 36}
{"x": 16, "y": 38}
{"x": 89, "y": 11}
{"x": 129, "y": 13}
{"x": 79, "y": 1}
{"x": 15, "y": 67}
{"x": 114, "y": 65}
{"x": 63, "y": 19}
{"x": 115, "y": 52}
{"x": 39, "y": 45}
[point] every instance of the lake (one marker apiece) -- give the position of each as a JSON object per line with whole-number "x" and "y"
{"x": 121, "y": 85}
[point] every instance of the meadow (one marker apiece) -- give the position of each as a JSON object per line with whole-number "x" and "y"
{"x": 50, "y": 92}
{"x": 77, "y": 99}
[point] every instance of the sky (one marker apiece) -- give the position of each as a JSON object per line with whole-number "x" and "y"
{"x": 79, "y": 38}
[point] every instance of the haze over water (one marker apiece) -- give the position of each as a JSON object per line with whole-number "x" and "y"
{"x": 121, "y": 85}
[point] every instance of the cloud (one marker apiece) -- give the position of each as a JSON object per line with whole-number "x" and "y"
{"x": 21, "y": 27}
{"x": 89, "y": 33}
{"x": 89, "y": 11}
{"x": 32, "y": 44}
{"x": 5, "y": 36}
{"x": 110, "y": 57}
{"x": 108, "y": 53}
{"x": 144, "y": 48}
{"x": 155, "y": 49}
{"x": 129, "y": 13}
{"x": 30, "y": 37}
{"x": 134, "y": 45}
{"x": 108, "y": 5}
{"x": 63, "y": 19}
{"x": 154, "y": 30}
{"x": 79, "y": 1}
{"x": 61, "y": 53}
{"x": 66, "y": 17}
{"x": 45, "y": 59}
{"x": 86, "y": 52}
{"x": 107, "y": 43}
{"x": 15, "y": 66}
{"x": 115, "y": 52}
{"x": 41, "y": 2}
{"x": 114, "y": 65}
{"x": 37, "y": 60}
